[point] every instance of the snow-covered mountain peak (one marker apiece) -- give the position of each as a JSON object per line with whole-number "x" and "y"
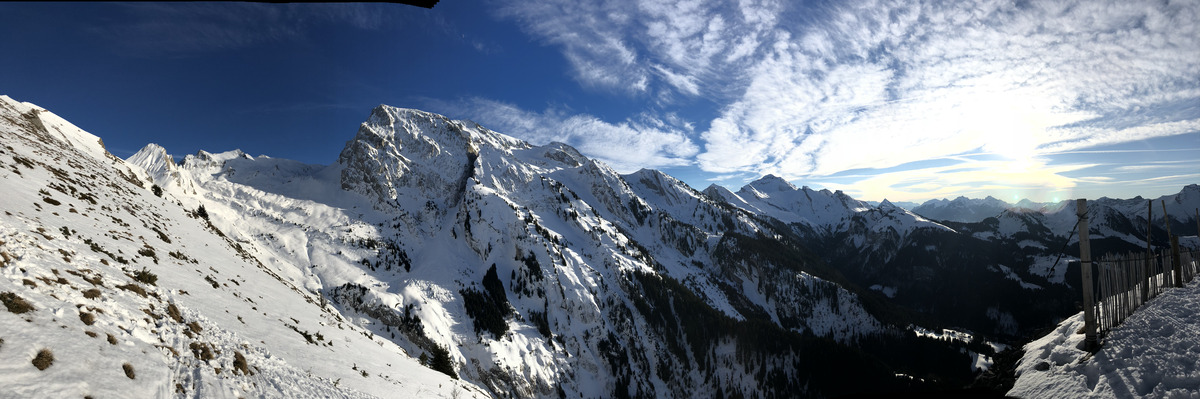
{"x": 672, "y": 191}
{"x": 722, "y": 193}
{"x": 399, "y": 147}
{"x": 399, "y": 126}
{"x": 1189, "y": 194}
{"x": 48, "y": 126}
{"x": 153, "y": 152}
{"x": 1027, "y": 204}
{"x": 655, "y": 175}
{"x": 564, "y": 153}
{"x": 158, "y": 164}
{"x": 770, "y": 184}
{"x": 962, "y": 209}
{"x": 153, "y": 157}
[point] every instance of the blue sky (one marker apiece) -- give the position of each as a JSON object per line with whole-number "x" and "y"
{"x": 904, "y": 100}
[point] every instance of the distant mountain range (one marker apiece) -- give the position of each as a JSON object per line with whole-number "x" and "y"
{"x": 513, "y": 270}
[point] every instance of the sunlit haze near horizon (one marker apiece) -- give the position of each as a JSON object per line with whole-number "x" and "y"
{"x": 903, "y": 100}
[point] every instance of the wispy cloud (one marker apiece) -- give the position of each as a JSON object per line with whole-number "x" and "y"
{"x": 655, "y": 48}
{"x": 1036, "y": 179}
{"x": 808, "y": 91}
{"x": 885, "y": 83}
{"x": 1158, "y": 166}
{"x": 628, "y": 145}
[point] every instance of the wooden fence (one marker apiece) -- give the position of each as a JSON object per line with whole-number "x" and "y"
{"x": 1117, "y": 285}
{"x": 1123, "y": 283}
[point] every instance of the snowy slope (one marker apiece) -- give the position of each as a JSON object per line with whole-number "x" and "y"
{"x": 80, "y": 227}
{"x": 442, "y": 201}
{"x": 1153, "y": 354}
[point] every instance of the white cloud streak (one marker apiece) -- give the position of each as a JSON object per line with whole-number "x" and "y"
{"x": 649, "y": 47}
{"x": 886, "y": 83}
{"x": 626, "y": 146}
{"x": 810, "y": 91}
{"x": 1034, "y": 179}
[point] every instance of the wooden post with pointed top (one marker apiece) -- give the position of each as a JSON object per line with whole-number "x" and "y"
{"x": 1149, "y": 271}
{"x": 1176, "y": 267}
{"x": 1090, "y": 343}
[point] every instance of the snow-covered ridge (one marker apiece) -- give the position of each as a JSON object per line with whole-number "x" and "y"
{"x": 382, "y": 249}
{"x": 36, "y": 120}
{"x": 133, "y": 295}
{"x": 823, "y": 212}
{"x": 962, "y": 209}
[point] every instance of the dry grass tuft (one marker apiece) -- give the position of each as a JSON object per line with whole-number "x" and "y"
{"x": 15, "y": 303}
{"x": 173, "y": 311}
{"x": 134, "y": 288}
{"x": 239, "y": 364}
{"x": 195, "y": 327}
{"x": 87, "y": 318}
{"x": 44, "y": 359}
{"x": 201, "y": 351}
{"x": 128, "y": 370}
{"x": 144, "y": 276}
{"x": 91, "y": 293}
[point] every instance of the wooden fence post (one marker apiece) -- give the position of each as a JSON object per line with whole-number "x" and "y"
{"x": 1146, "y": 295}
{"x": 1174, "y": 277}
{"x": 1176, "y": 270}
{"x": 1176, "y": 266}
{"x": 1090, "y": 343}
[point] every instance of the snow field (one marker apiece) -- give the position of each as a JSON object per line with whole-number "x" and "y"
{"x": 1155, "y": 353}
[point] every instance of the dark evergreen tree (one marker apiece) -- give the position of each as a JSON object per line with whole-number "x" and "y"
{"x": 441, "y": 362}
{"x": 488, "y": 308}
